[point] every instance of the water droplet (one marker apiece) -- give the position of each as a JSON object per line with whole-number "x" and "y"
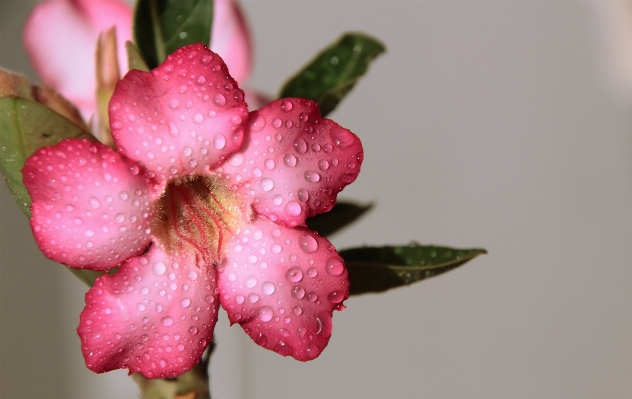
{"x": 335, "y": 297}
{"x": 200, "y": 80}
{"x": 323, "y": 164}
{"x": 187, "y": 151}
{"x": 297, "y": 311}
{"x": 276, "y": 123}
{"x": 258, "y": 123}
{"x": 298, "y": 292}
{"x": 300, "y": 146}
{"x": 185, "y": 302}
{"x": 174, "y": 103}
{"x": 167, "y": 321}
{"x": 219, "y": 141}
{"x": 192, "y": 275}
{"x": 89, "y": 233}
{"x": 269, "y": 164}
{"x": 198, "y": 118}
{"x": 293, "y": 208}
{"x": 219, "y": 100}
{"x": 267, "y": 184}
{"x": 303, "y": 195}
{"x": 287, "y": 105}
{"x": 289, "y": 160}
{"x": 308, "y": 243}
{"x": 159, "y": 268}
{"x": 277, "y": 200}
{"x": 265, "y": 313}
{"x": 253, "y": 298}
{"x": 342, "y": 138}
{"x": 120, "y": 218}
{"x": 312, "y": 272}
{"x": 312, "y": 177}
{"x": 94, "y": 203}
{"x": 193, "y": 330}
{"x": 268, "y": 288}
{"x": 250, "y": 282}
{"x": 239, "y": 299}
{"x": 303, "y": 117}
{"x": 334, "y": 266}
{"x": 123, "y": 196}
{"x": 294, "y": 274}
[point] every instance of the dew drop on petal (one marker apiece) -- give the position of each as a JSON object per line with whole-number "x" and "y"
{"x": 267, "y": 184}
{"x": 250, "y": 282}
{"x": 312, "y": 177}
{"x": 298, "y": 292}
{"x": 219, "y": 141}
{"x": 308, "y": 243}
{"x": 294, "y": 274}
{"x": 258, "y": 124}
{"x": 323, "y": 164}
{"x": 334, "y": 266}
{"x": 219, "y": 100}
{"x": 289, "y": 160}
{"x": 265, "y": 313}
{"x": 268, "y": 288}
{"x": 185, "y": 302}
{"x": 293, "y": 208}
{"x": 159, "y": 268}
{"x": 167, "y": 321}
{"x": 297, "y": 311}
{"x": 300, "y": 145}
{"x": 303, "y": 195}
{"x": 335, "y": 297}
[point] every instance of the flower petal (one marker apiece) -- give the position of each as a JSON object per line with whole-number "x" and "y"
{"x": 155, "y": 315}
{"x": 91, "y": 207}
{"x": 295, "y": 162}
{"x": 230, "y": 38}
{"x": 282, "y": 285}
{"x": 185, "y": 117}
{"x": 60, "y": 37}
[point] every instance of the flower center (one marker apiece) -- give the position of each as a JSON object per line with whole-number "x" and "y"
{"x": 196, "y": 215}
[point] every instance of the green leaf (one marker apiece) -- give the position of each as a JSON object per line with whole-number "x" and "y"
{"x": 134, "y": 59}
{"x": 377, "y": 269}
{"x": 163, "y": 26}
{"x": 340, "y": 216}
{"x": 334, "y": 71}
{"x": 26, "y": 126}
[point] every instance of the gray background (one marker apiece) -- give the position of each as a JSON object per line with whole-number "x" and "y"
{"x": 501, "y": 124}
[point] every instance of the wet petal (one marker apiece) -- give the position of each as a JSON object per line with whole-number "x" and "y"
{"x": 282, "y": 286}
{"x": 60, "y": 37}
{"x": 155, "y": 315}
{"x": 230, "y": 38}
{"x": 185, "y": 117}
{"x": 295, "y": 162}
{"x": 91, "y": 207}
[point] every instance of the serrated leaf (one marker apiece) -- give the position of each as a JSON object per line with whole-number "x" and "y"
{"x": 334, "y": 71}
{"x": 163, "y": 26}
{"x": 26, "y": 126}
{"x": 134, "y": 59}
{"x": 377, "y": 269}
{"x": 341, "y": 215}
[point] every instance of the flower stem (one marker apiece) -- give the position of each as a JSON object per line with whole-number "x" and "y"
{"x": 193, "y": 384}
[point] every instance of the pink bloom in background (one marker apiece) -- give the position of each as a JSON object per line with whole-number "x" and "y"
{"x": 202, "y": 204}
{"x": 60, "y": 37}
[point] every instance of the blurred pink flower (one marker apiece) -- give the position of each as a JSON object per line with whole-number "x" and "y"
{"x": 60, "y": 37}
{"x": 202, "y": 204}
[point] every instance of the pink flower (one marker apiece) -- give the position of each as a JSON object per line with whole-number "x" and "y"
{"x": 60, "y": 37}
{"x": 202, "y": 204}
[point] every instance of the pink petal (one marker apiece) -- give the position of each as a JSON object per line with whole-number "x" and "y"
{"x": 185, "y": 117}
{"x": 295, "y": 162}
{"x": 60, "y": 37}
{"x": 155, "y": 315}
{"x": 230, "y": 38}
{"x": 91, "y": 207}
{"x": 282, "y": 286}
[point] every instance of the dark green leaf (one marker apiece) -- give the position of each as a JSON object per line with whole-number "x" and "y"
{"x": 334, "y": 71}
{"x": 377, "y": 269}
{"x": 134, "y": 59}
{"x": 341, "y": 215}
{"x": 26, "y": 126}
{"x": 163, "y": 26}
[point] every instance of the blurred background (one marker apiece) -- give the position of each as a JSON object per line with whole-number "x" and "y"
{"x": 497, "y": 124}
